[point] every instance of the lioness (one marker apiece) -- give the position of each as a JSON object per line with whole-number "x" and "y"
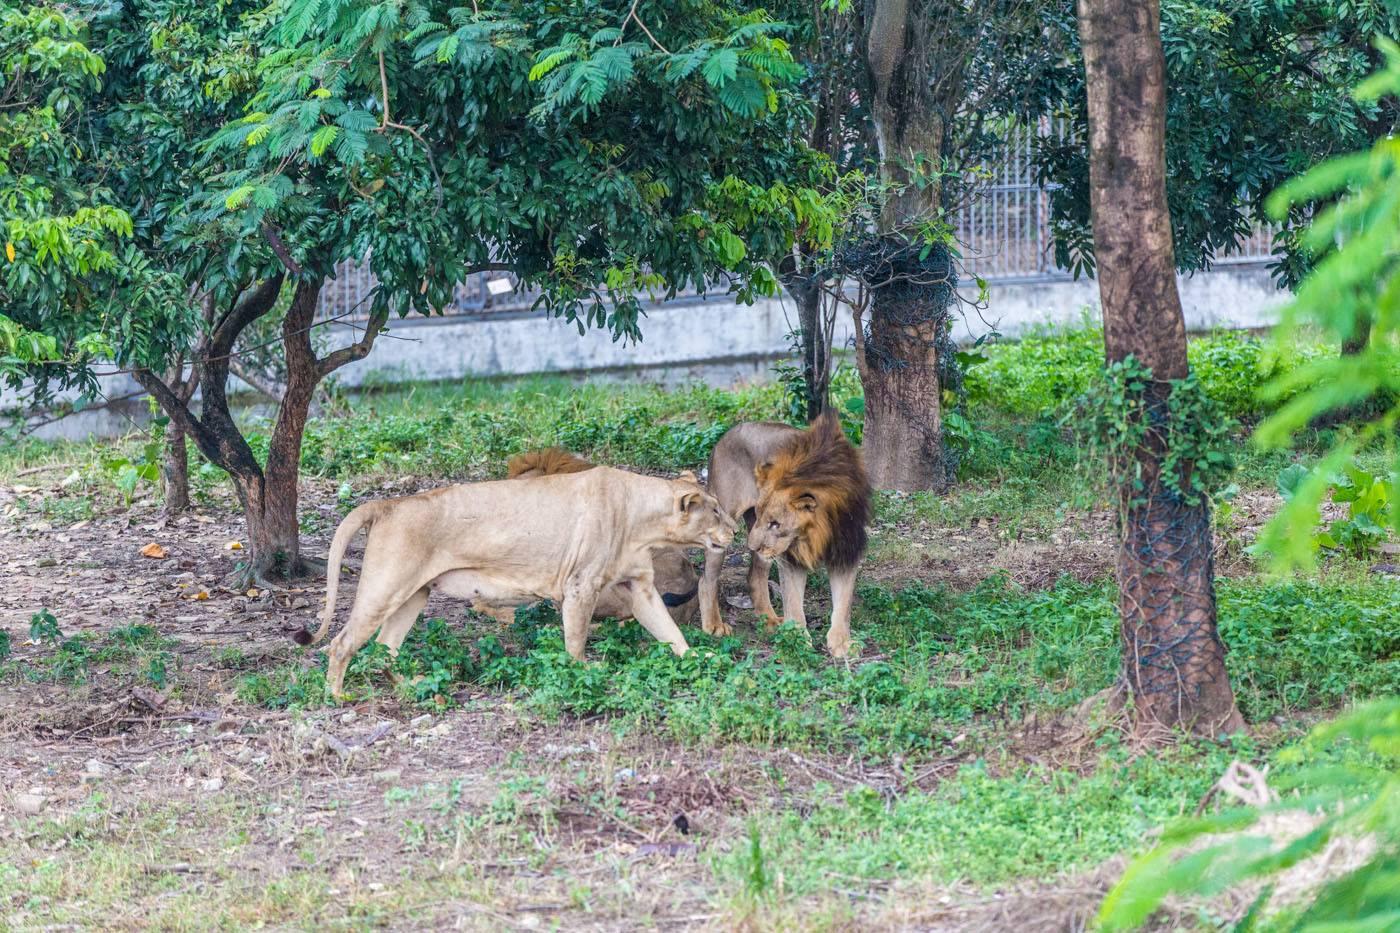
{"x": 806, "y": 498}
{"x": 676, "y": 579}
{"x": 565, "y": 538}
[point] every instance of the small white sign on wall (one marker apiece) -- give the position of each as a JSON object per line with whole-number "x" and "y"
{"x": 499, "y": 286}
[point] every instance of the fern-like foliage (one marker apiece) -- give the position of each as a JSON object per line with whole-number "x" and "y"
{"x": 1358, "y": 800}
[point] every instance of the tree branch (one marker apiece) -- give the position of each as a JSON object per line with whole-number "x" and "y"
{"x": 274, "y": 238}
{"x": 358, "y": 350}
{"x": 179, "y": 412}
{"x": 247, "y": 309}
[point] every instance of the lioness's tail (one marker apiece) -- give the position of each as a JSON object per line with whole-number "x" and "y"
{"x": 548, "y": 461}
{"x": 357, "y": 519}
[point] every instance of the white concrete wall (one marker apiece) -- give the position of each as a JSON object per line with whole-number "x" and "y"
{"x": 1233, "y": 296}
{"x": 722, "y": 336}
{"x": 715, "y": 340}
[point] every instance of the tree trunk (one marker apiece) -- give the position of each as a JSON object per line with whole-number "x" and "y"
{"x": 903, "y": 433}
{"x": 1173, "y": 659}
{"x": 911, "y": 297}
{"x": 272, "y": 503}
{"x": 816, "y": 351}
{"x": 175, "y": 471}
{"x": 175, "y": 461}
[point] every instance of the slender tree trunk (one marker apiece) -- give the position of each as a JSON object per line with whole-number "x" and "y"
{"x": 277, "y": 495}
{"x": 1173, "y": 659}
{"x": 816, "y": 351}
{"x": 175, "y": 461}
{"x": 911, "y": 296}
{"x": 175, "y": 470}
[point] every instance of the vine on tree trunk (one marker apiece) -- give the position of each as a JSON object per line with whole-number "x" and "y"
{"x": 1165, "y": 443}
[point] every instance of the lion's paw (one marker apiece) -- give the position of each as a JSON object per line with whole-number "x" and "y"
{"x": 838, "y": 645}
{"x": 719, "y": 629}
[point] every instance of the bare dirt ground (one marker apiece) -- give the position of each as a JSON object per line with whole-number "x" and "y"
{"x": 126, "y": 807}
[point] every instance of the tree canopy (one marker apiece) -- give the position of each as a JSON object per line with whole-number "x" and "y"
{"x": 1257, "y": 92}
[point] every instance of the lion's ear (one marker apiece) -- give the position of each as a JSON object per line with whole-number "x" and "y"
{"x": 691, "y": 501}
{"x": 761, "y": 471}
{"x": 806, "y": 502}
{"x": 687, "y": 476}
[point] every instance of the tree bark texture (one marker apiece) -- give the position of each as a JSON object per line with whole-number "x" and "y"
{"x": 806, "y": 292}
{"x": 899, "y": 367}
{"x": 175, "y": 471}
{"x": 175, "y": 461}
{"x": 903, "y": 434}
{"x": 1173, "y": 659}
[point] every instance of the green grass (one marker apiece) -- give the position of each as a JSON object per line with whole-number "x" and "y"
{"x": 947, "y": 663}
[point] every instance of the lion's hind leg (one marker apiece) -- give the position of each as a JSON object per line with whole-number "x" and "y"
{"x": 377, "y": 605}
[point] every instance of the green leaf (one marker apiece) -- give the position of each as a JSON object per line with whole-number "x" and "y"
{"x": 322, "y": 139}
{"x": 238, "y": 197}
{"x": 721, "y": 67}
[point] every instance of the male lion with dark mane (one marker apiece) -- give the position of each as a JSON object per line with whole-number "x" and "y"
{"x": 805, "y": 497}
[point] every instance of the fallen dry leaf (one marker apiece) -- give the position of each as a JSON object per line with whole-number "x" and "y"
{"x": 253, "y": 593}
{"x": 154, "y": 551}
{"x": 233, "y": 546}
{"x": 202, "y": 594}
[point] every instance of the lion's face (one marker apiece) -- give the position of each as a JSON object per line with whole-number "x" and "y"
{"x": 782, "y": 516}
{"x": 698, "y": 519}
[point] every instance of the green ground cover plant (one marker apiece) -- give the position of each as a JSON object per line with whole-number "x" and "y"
{"x": 946, "y": 662}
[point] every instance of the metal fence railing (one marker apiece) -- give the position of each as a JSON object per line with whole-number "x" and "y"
{"x": 1004, "y": 232}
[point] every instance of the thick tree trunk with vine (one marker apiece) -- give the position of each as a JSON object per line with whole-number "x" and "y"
{"x": 1173, "y": 659}
{"x": 909, "y": 307}
{"x": 899, "y": 367}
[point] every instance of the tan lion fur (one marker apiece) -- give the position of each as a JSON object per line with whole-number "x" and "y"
{"x": 676, "y": 579}
{"x": 805, "y": 497}
{"x": 567, "y": 538}
{"x": 548, "y": 461}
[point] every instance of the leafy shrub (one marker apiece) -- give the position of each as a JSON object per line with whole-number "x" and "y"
{"x": 1040, "y": 373}
{"x": 1351, "y": 797}
{"x": 1366, "y": 496}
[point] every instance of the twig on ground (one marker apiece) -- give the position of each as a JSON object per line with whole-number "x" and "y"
{"x": 43, "y": 469}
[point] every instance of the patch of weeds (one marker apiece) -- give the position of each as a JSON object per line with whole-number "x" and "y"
{"x": 66, "y": 510}
{"x": 977, "y": 826}
{"x": 43, "y": 628}
{"x": 232, "y": 658}
{"x": 946, "y": 660}
{"x": 287, "y": 686}
{"x": 1306, "y": 644}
